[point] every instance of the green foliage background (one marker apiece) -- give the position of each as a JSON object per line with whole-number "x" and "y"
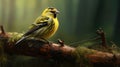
{"x": 79, "y": 19}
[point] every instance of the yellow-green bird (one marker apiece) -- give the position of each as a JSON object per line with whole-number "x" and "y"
{"x": 44, "y": 26}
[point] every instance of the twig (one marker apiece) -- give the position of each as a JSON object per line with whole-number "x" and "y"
{"x": 101, "y": 33}
{"x": 2, "y": 30}
{"x": 61, "y": 42}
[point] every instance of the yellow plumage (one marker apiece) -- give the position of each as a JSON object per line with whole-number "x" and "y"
{"x": 39, "y": 30}
{"x": 47, "y": 31}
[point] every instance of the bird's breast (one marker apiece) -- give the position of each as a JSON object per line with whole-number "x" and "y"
{"x": 53, "y": 29}
{"x": 48, "y": 31}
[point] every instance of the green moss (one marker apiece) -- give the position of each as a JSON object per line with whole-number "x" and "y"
{"x": 115, "y": 49}
{"x": 80, "y": 54}
{"x": 14, "y": 36}
{"x": 3, "y": 58}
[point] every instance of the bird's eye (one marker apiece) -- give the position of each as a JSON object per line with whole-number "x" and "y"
{"x": 52, "y": 11}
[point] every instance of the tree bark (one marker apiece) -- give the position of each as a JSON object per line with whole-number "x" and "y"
{"x": 58, "y": 52}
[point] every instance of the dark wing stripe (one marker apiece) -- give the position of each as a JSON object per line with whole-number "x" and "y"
{"x": 43, "y": 24}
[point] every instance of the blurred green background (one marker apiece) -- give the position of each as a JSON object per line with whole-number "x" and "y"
{"x": 79, "y": 19}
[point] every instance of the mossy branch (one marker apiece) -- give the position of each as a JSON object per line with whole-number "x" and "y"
{"x": 58, "y": 52}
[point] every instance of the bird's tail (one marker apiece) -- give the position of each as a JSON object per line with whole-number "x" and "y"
{"x": 19, "y": 41}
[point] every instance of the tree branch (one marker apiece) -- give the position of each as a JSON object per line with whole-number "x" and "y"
{"x": 60, "y": 51}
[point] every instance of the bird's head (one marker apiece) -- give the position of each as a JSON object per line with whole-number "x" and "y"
{"x": 50, "y": 11}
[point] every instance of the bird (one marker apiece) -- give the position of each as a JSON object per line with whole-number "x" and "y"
{"x": 44, "y": 27}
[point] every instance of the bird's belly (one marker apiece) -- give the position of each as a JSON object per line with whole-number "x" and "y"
{"x": 47, "y": 32}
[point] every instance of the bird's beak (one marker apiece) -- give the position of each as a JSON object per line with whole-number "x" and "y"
{"x": 57, "y": 12}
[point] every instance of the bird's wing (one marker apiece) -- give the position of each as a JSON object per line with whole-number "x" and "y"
{"x": 30, "y": 32}
{"x": 41, "y": 22}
